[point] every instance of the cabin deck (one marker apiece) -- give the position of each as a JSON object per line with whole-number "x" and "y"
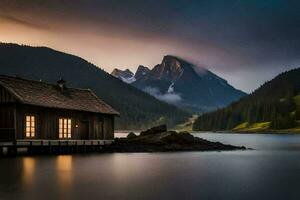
{"x": 25, "y": 143}
{"x": 52, "y": 146}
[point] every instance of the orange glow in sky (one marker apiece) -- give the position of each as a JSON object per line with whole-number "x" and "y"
{"x": 225, "y": 38}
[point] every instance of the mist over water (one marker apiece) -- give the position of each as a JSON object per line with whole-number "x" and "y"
{"x": 271, "y": 171}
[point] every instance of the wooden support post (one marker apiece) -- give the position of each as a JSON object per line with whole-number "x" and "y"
{"x": 11, "y": 150}
{"x": 42, "y": 147}
{"x": 30, "y": 147}
{"x": 15, "y": 150}
{"x": 76, "y": 146}
{"x": 84, "y": 147}
{"x": 50, "y": 147}
{"x": 59, "y": 146}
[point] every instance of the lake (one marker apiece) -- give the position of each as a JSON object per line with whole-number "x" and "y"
{"x": 271, "y": 171}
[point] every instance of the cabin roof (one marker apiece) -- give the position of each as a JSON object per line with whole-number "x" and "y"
{"x": 43, "y": 94}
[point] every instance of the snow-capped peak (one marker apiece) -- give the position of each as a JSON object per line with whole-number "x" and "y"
{"x": 127, "y": 76}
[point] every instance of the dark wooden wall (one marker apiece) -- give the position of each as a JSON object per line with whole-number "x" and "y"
{"x": 108, "y": 127}
{"x": 7, "y": 120}
{"x": 99, "y": 126}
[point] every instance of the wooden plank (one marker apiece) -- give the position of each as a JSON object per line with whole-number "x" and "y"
{"x": 58, "y": 142}
{"x": 22, "y": 143}
{"x": 4, "y": 144}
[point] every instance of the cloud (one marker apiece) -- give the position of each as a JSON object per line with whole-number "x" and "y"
{"x": 21, "y": 22}
{"x": 169, "y": 97}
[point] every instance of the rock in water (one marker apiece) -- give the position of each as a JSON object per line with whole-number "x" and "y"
{"x": 131, "y": 135}
{"x": 155, "y": 130}
{"x": 158, "y": 139}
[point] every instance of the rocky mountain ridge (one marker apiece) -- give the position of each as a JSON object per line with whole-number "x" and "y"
{"x": 185, "y": 85}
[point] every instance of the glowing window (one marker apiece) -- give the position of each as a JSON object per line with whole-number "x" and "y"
{"x": 30, "y": 126}
{"x": 64, "y": 128}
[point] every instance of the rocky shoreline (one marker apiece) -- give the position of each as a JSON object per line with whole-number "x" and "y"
{"x": 159, "y": 139}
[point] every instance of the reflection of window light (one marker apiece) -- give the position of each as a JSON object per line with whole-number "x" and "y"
{"x": 29, "y": 165}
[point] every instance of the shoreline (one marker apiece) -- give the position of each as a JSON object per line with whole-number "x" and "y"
{"x": 281, "y": 132}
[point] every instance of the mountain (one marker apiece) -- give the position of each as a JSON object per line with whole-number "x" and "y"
{"x": 138, "y": 110}
{"x": 127, "y": 76}
{"x": 141, "y": 72}
{"x": 186, "y": 85}
{"x": 275, "y": 105}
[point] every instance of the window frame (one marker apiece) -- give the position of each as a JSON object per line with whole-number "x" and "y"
{"x": 65, "y": 128}
{"x": 33, "y": 134}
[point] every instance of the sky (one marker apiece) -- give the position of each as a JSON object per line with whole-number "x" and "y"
{"x": 247, "y": 42}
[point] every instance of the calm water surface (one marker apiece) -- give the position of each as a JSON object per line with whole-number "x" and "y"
{"x": 271, "y": 171}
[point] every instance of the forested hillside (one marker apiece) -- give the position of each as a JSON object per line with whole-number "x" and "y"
{"x": 275, "y": 105}
{"x": 138, "y": 109}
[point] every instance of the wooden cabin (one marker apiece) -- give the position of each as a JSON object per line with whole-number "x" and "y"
{"x": 35, "y": 110}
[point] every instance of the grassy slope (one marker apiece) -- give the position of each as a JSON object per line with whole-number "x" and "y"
{"x": 188, "y": 125}
{"x": 265, "y": 126}
{"x": 251, "y": 128}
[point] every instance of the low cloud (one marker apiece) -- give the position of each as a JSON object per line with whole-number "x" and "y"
{"x": 169, "y": 97}
{"x": 21, "y": 22}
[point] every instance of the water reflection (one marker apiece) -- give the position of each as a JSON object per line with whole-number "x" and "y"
{"x": 29, "y": 167}
{"x": 64, "y": 163}
{"x": 64, "y": 171}
{"x": 271, "y": 172}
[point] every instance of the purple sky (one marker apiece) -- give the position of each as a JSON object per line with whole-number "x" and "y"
{"x": 245, "y": 42}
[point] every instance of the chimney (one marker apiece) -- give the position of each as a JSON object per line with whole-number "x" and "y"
{"x": 61, "y": 83}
